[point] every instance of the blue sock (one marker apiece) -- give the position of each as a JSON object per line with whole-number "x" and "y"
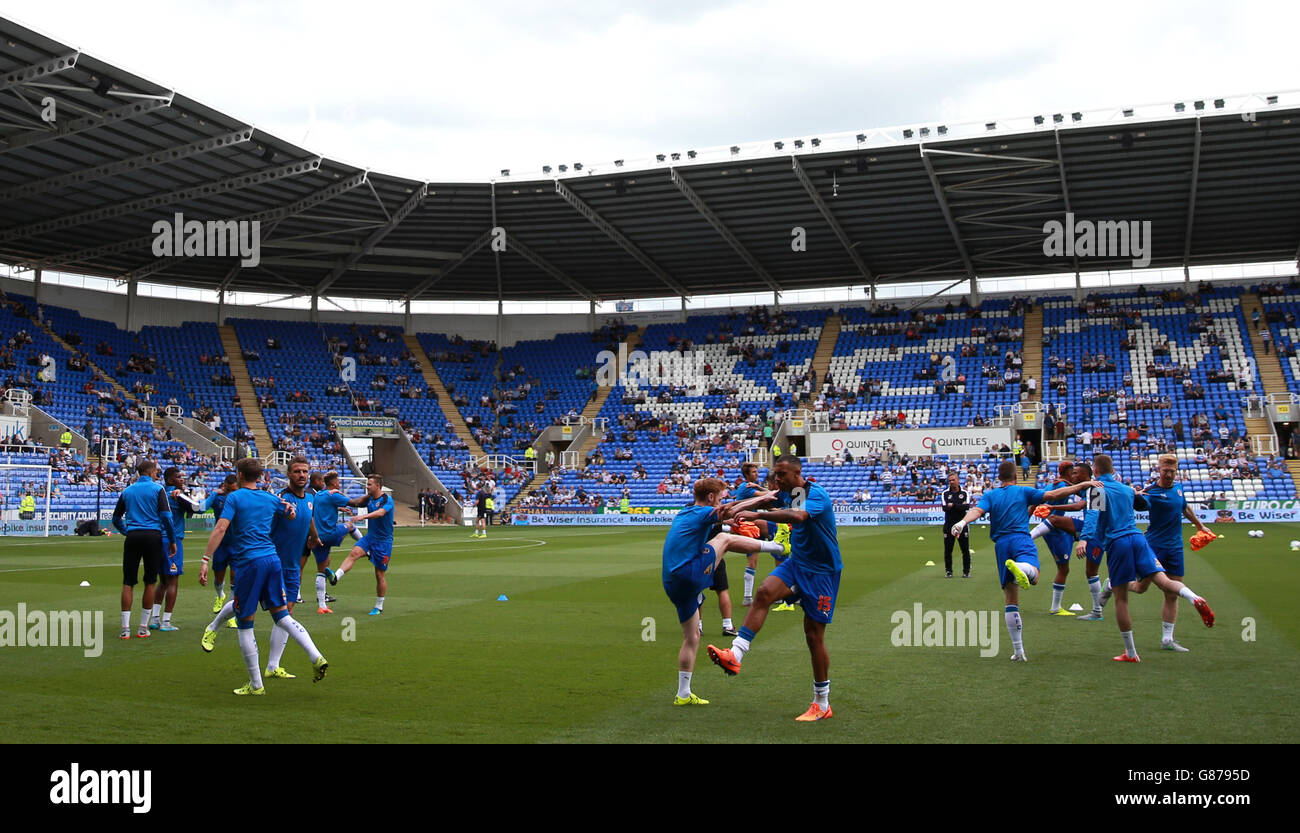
{"x": 746, "y": 634}
{"x": 749, "y": 571}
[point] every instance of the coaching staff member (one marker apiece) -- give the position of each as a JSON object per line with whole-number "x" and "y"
{"x": 143, "y": 515}
{"x": 955, "y": 503}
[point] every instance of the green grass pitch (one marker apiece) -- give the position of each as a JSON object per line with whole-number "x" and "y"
{"x": 564, "y": 660}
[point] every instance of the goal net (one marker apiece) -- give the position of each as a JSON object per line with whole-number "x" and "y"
{"x": 353, "y": 487}
{"x": 26, "y": 494}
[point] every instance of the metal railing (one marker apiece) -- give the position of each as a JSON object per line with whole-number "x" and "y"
{"x": 277, "y": 459}
{"x": 20, "y": 400}
{"x": 1263, "y": 445}
{"x": 497, "y": 462}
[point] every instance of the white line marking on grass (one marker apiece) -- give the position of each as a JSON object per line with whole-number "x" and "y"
{"x": 66, "y": 567}
{"x": 536, "y": 542}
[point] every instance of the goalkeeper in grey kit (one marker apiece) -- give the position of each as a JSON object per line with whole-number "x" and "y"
{"x": 956, "y": 501}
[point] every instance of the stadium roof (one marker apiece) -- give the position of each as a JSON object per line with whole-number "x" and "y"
{"x": 81, "y": 193}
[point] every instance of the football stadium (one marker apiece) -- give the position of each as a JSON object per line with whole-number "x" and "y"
{"x": 285, "y": 436}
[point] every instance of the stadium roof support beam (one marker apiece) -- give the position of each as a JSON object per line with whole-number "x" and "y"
{"x": 850, "y": 248}
{"x": 1065, "y": 194}
{"x": 33, "y": 72}
{"x": 81, "y": 125}
{"x": 439, "y": 274}
{"x": 135, "y": 163}
{"x": 617, "y": 236}
{"x": 273, "y": 215}
{"x": 317, "y": 247}
{"x": 721, "y": 228}
{"x": 1191, "y": 203}
{"x": 369, "y": 244}
{"x": 206, "y": 189}
{"x": 948, "y": 218}
{"x": 541, "y": 263}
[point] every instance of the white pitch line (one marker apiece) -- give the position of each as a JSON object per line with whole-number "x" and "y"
{"x": 72, "y": 567}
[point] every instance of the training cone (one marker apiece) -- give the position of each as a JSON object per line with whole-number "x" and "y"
{"x": 1075, "y": 606}
{"x": 920, "y": 538}
{"x": 85, "y": 584}
{"x": 502, "y": 598}
{"x": 929, "y": 563}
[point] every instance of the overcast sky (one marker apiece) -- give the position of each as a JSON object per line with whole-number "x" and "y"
{"x": 459, "y": 90}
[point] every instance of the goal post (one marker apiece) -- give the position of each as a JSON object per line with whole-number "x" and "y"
{"x": 18, "y": 482}
{"x": 351, "y": 486}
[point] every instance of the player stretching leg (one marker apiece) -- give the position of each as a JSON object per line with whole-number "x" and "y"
{"x": 173, "y": 566}
{"x": 247, "y": 517}
{"x": 1017, "y": 558}
{"x": 1129, "y": 556}
{"x": 690, "y": 558}
{"x": 290, "y": 536}
{"x": 1168, "y": 507}
{"x": 325, "y": 511}
{"x": 812, "y": 571}
{"x": 377, "y": 544}
{"x": 746, "y": 490}
{"x": 1060, "y": 543}
{"x": 221, "y": 559}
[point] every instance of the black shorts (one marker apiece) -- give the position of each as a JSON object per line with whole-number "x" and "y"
{"x": 720, "y": 582}
{"x": 142, "y": 546}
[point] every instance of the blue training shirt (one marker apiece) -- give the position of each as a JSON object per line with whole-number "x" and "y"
{"x": 326, "y": 510}
{"x": 1061, "y": 484}
{"x": 290, "y": 536}
{"x": 1115, "y": 517}
{"x": 746, "y": 490}
{"x": 144, "y": 506}
{"x": 1166, "y": 507}
{"x": 687, "y": 536}
{"x": 1092, "y": 500}
{"x": 178, "y": 517}
{"x": 1008, "y": 509}
{"x": 380, "y": 529}
{"x": 250, "y": 513}
{"x": 814, "y": 544}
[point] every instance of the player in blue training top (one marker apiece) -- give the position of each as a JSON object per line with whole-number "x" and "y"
{"x": 327, "y": 502}
{"x": 1081, "y": 524}
{"x": 690, "y": 558}
{"x": 377, "y": 543}
{"x": 292, "y": 537}
{"x": 1017, "y": 558}
{"x": 1129, "y": 556}
{"x": 173, "y": 566}
{"x": 1058, "y": 531}
{"x": 812, "y": 572}
{"x": 247, "y": 517}
{"x": 1167, "y": 506}
{"x": 221, "y": 558}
